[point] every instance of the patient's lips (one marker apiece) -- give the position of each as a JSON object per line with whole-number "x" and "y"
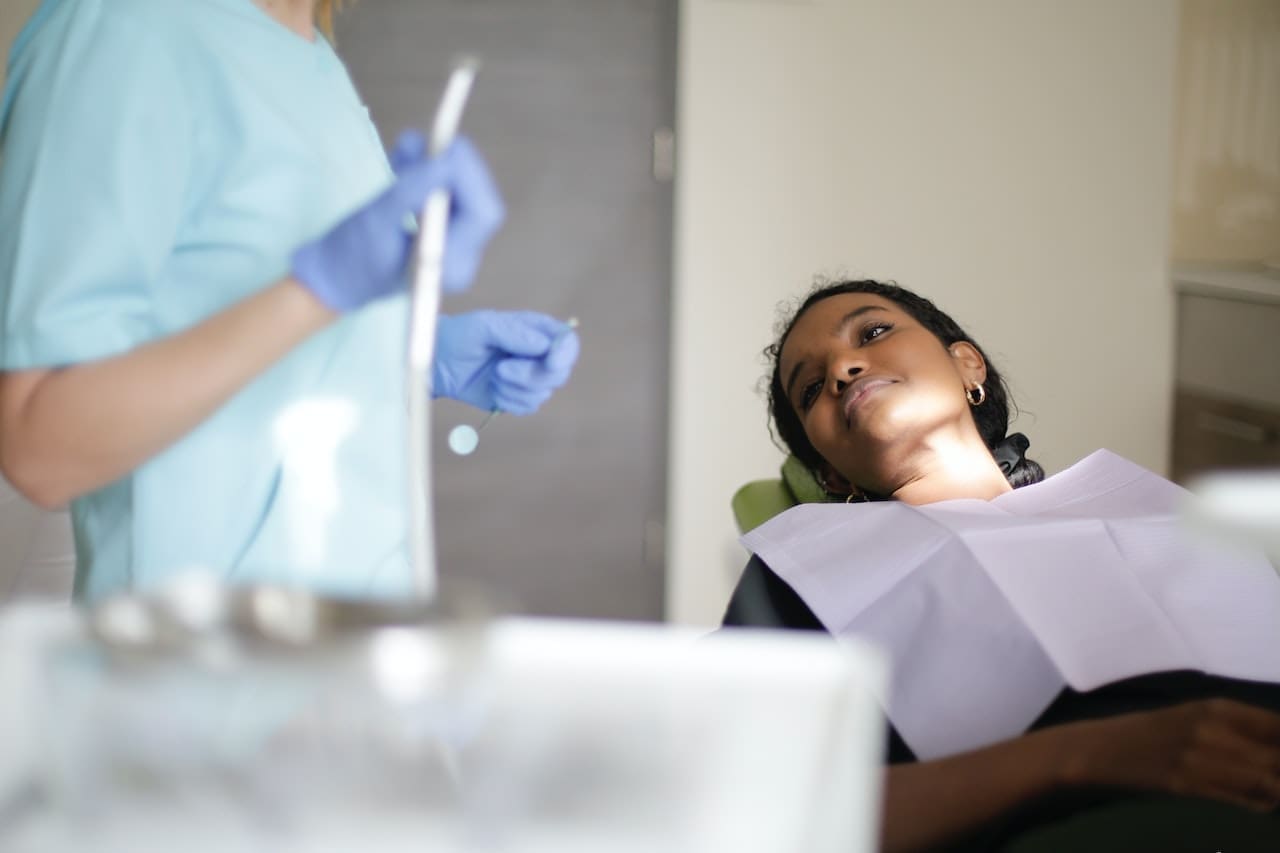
{"x": 859, "y": 391}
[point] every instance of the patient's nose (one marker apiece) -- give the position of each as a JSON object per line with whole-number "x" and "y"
{"x": 842, "y": 371}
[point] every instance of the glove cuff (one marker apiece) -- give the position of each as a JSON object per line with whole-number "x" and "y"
{"x": 307, "y": 266}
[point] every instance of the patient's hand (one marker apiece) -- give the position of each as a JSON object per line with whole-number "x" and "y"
{"x": 1214, "y": 748}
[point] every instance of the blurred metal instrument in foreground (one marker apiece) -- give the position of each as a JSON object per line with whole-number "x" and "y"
{"x": 1243, "y": 506}
{"x": 268, "y": 720}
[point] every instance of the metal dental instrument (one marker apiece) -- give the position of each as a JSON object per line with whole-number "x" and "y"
{"x": 424, "y": 310}
{"x": 464, "y": 438}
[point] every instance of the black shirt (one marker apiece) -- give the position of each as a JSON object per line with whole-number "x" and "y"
{"x": 764, "y": 600}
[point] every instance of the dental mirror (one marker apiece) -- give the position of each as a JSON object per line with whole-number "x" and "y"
{"x": 464, "y": 438}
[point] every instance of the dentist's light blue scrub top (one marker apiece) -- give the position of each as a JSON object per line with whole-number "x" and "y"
{"x": 159, "y": 161}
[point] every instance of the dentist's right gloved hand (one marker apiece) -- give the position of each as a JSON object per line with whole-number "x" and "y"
{"x": 363, "y": 258}
{"x": 508, "y": 361}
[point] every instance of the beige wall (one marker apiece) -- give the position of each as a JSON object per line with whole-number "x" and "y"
{"x": 1227, "y": 139}
{"x": 1010, "y": 158}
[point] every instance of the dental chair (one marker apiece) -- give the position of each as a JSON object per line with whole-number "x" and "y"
{"x": 760, "y": 500}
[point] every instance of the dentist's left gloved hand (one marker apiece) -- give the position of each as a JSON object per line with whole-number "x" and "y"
{"x": 505, "y": 360}
{"x": 363, "y": 257}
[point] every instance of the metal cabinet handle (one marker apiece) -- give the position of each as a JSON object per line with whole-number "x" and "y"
{"x": 1235, "y": 428}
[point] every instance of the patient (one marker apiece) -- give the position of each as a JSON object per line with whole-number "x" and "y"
{"x": 885, "y": 398}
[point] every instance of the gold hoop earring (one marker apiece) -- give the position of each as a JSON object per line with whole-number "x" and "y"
{"x": 976, "y": 395}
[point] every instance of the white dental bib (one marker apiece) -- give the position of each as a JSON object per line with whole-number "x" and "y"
{"x": 987, "y": 609}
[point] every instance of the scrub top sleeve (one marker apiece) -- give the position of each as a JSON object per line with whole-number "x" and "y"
{"x": 96, "y": 149}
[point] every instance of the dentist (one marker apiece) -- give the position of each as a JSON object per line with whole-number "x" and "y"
{"x": 202, "y": 296}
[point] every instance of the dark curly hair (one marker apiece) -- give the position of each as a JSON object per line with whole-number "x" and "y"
{"x": 992, "y": 417}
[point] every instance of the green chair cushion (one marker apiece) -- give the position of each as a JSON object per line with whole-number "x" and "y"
{"x": 760, "y": 500}
{"x": 801, "y": 482}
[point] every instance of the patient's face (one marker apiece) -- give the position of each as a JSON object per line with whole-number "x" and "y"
{"x": 870, "y": 385}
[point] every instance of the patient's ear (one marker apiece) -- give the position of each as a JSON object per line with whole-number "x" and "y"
{"x": 832, "y": 481}
{"x": 969, "y": 362}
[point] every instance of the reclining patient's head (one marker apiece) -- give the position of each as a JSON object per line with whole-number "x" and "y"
{"x": 872, "y": 385}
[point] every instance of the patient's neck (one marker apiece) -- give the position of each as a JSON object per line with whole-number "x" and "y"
{"x": 949, "y": 468}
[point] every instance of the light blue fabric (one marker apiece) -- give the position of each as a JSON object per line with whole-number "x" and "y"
{"x": 159, "y": 160}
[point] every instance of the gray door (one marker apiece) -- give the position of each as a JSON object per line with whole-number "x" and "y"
{"x": 560, "y": 513}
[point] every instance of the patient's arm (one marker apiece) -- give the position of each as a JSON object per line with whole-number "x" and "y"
{"x": 1214, "y": 748}
{"x": 934, "y": 802}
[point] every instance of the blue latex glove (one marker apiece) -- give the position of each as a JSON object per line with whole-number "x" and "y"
{"x": 510, "y": 361}
{"x": 364, "y": 257}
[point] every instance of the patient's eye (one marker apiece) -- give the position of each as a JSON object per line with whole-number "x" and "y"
{"x": 809, "y": 393}
{"x": 871, "y": 331}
